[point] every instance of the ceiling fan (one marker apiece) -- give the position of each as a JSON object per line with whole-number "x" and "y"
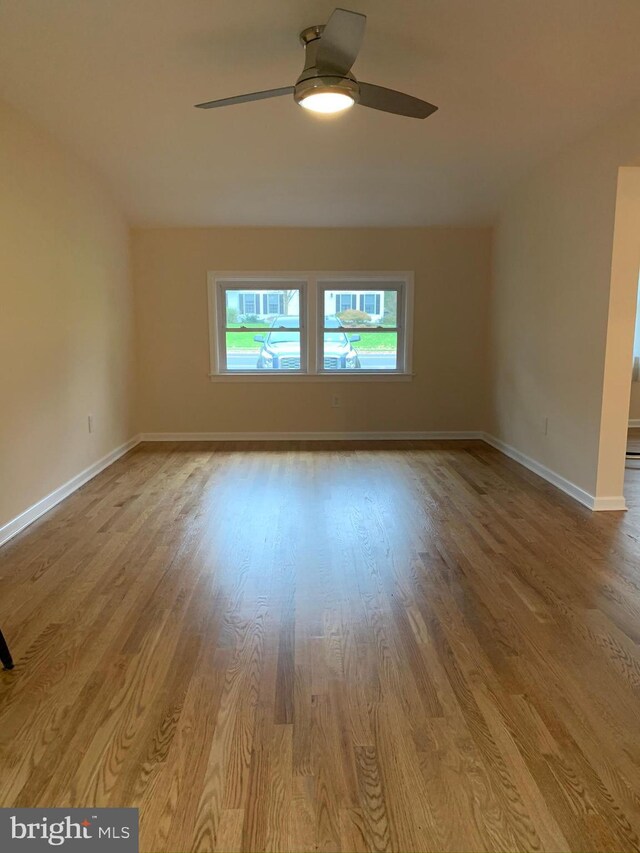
{"x": 326, "y": 84}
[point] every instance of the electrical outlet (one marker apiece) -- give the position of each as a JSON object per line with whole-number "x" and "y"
{"x": 335, "y": 402}
{"x": 90, "y": 422}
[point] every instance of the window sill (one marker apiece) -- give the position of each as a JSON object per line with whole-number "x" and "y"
{"x": 311, "y": 377}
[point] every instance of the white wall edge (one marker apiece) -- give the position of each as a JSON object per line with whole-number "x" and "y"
{"x": 13, "y": 527}
{"x": 597, "y": 504}
{"x": 634, "y": 422}
{"x": 311, "y": 436}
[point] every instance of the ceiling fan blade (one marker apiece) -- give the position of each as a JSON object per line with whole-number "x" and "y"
{"x": 390, "y": 101}
{"x": 241, "y": 99}
{"x": 340, "y": 42}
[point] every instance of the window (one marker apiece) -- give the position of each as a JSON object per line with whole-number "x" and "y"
{"x": 370, "y": 303}
{"x": 273, "y": 303}
{"x": 345, "y": 301}
{"x": 310, "y": 325}
{"x": 248, "y": 303}
{"x": 367, "y": 338}
{"x": 259, "y": 326}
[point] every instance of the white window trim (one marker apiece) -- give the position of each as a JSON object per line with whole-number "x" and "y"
{"x": 311, "y": 285}
{"x": 217, "y": 316}
{"x": 323, "y": 282}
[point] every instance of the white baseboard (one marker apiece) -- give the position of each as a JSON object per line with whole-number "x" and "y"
{"x": 588, "y": 500}
{"x": 9, "y": 530}
{"x": 634, "y": 422}
{"x": 598, "y": 504}
{"x": 311, "y": 436}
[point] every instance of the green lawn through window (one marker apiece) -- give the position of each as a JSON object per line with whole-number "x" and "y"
{"x": 373, "y": 342}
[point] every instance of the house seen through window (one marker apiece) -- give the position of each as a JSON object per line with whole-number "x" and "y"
{"x": 269, "y": 326}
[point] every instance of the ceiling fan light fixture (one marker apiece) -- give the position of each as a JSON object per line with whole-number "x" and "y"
{"x": 326, "y": 102}
{"x": 326, "y": 84}
{"x": 320, "y": 95}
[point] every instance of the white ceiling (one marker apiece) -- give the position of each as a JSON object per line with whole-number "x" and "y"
{"x": 514, "y": 80}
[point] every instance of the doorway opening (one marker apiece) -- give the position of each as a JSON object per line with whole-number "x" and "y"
{"x": 633, "y": 436}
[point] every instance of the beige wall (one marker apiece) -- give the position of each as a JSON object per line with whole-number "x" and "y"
{"x": 65, "y": 318}
{"x": 553, "y": 249}
{"x": 449, "y": 391}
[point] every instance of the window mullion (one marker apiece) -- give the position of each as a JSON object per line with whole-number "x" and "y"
{"x": 311, "y": 306}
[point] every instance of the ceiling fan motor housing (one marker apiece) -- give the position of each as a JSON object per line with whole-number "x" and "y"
{"x": 313, "y": 78}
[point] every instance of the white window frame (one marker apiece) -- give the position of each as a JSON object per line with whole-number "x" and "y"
{"x": 349, "y": 284}
{"x": 217, "y": 318}
{"x": 312, "y": 286}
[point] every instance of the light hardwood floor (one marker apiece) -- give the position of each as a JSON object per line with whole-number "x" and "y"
{"x": 305, "y": 648}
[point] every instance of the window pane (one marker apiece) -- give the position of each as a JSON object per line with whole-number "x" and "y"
{"x": 373, "y": 306}
{"x": 259, "y": 308}
{"x": 344, "y": 350}
{"x": 278, "y": 350}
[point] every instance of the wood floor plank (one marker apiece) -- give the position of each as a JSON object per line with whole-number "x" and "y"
{"x": 324, "y": 646}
